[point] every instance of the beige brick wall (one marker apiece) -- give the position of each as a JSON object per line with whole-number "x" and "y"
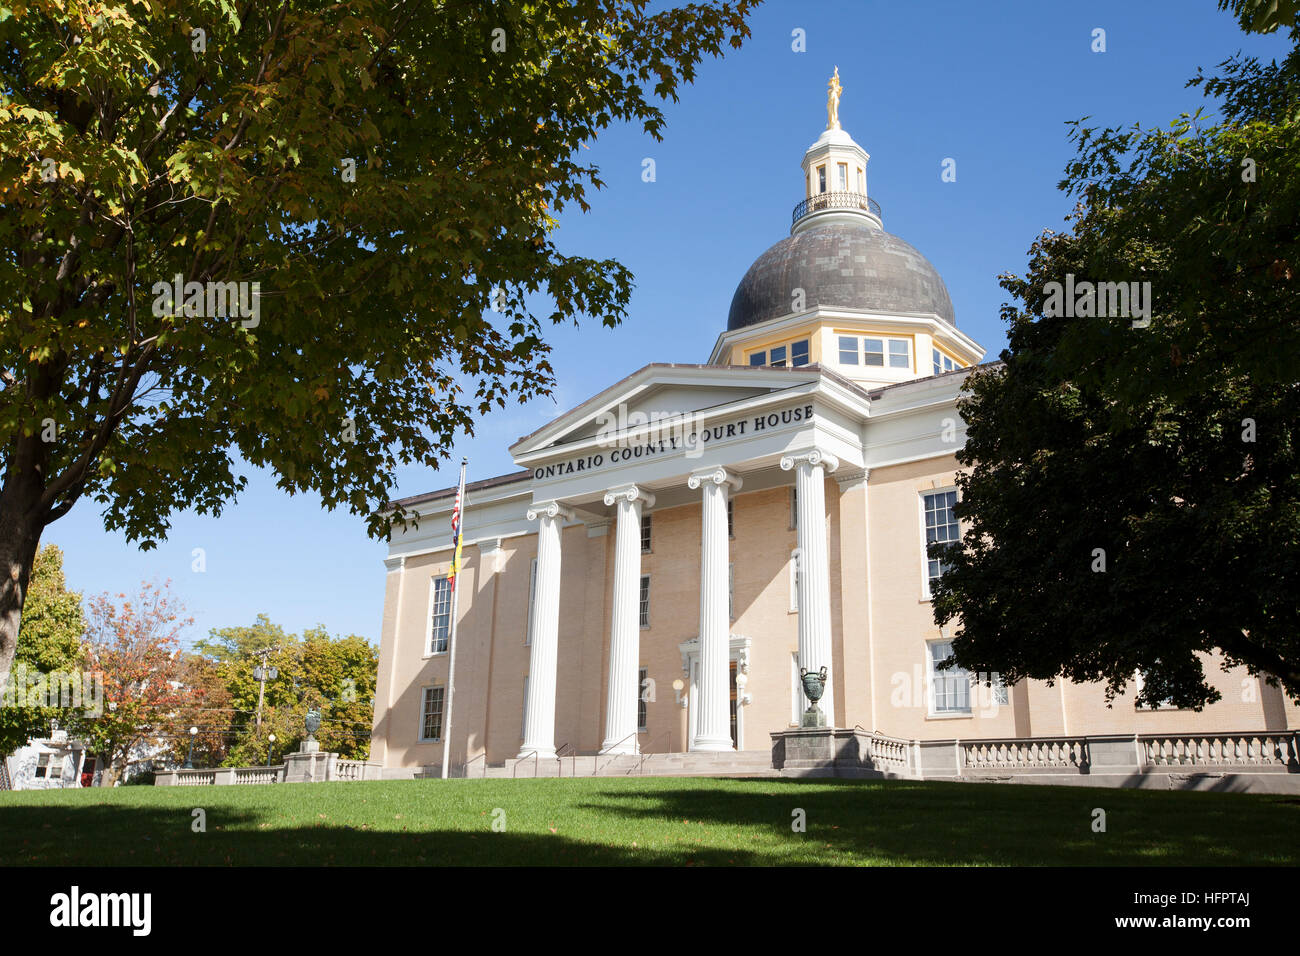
{"x": 880, "y": 623}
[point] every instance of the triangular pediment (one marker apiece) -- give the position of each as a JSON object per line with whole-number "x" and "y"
{"x": 660, "y": 393}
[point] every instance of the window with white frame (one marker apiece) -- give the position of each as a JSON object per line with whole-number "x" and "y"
{"x": 940, "y": 527}
{"x": 796, "y": 690}
{"x": 439, "y": 615}
{"x": 876, "y": 351}
{"x": 645, "y": 600}
{"x": 645, "y": 534}
{"x": 532, "y": 593}
{"x": 431, "y": 714}
{"x": 776, "y": 356}
{"x": 842, "y": 177}
{"x": 758, "y": 358}
{"x": 799, "y": 353}
{"x": 794, "y": 580}
{"x": 1166, "y": 704}
{"x": 949, "y": 689}
{"x": 49, "y": 766}
{"x": 941, "y": 362}
{"x": 731, "y": 592}
{"x": 642, "y": 690}
{"x": 849, "y": 350}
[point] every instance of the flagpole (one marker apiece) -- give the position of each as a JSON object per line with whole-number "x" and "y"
{"x": 455, "y": 603}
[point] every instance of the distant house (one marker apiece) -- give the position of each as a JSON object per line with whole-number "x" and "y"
{"x": 50, "y": 763}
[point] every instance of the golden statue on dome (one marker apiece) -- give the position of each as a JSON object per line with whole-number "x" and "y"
{"x": 833, "y": 101}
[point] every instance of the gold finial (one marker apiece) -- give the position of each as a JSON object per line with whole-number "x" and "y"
{"x": 833, "y": 101}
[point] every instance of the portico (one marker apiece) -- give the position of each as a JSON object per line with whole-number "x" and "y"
{"x": 762, "y": 425}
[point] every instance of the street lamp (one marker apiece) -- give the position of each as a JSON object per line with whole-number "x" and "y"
{"x": 189, "y": 759}
{"x": 270, "y": 747}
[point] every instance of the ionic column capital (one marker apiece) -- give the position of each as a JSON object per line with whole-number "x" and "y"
{"x": 814, "y": 457}
{"x": 549, "y": 509}
{"x": 717, "y": 475}
{"x": 630, "y": 493}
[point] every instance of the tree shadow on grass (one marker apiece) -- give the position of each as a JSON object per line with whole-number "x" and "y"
{"x": 935, "y": 823}
{"x": 114, "y": 835}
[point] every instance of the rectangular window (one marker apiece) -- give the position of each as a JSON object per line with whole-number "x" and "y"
{"x": 900, "y": 355}
{"x": 842, "y": 171}
{"x": 796, "y": 690}
{"x": 731, "y": 592}
{"x": 794, "y": 581}
{"x": 778, "y": 356}
{"x": 873, "y": 350}
{"x": 949, "y": 689}
{"x": 821, "y": 179}
{"x": 758, "y": 358}
{"x": 645, "y": 534}
{"x": 799, "y": 353}
{"x": 731, "y": 518}
{"x": 49, "y": 767}
{"x": 940, "y": 526}
{"x": 947, "y": 364}
{"x": 439, "y": 615}
{"x": 532, "y": 593}
{"x": 794, "y": 508}
{"x": 645, "y": 600}
{"x": 431, "y": 715}
{"x": 642, "y": 690}
{"x": 848, "y": 350}
{"x": 938, "y": 361}
{"x": 862, "y": 181}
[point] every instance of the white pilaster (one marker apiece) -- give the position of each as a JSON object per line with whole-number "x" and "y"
{"x": 625, "y": 629}
{"x": 714, "y": 694}
{"x": 544, "y": 633}
{"x": 813, "y": 566}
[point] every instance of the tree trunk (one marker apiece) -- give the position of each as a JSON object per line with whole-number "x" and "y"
{"x": 20, "y": 534}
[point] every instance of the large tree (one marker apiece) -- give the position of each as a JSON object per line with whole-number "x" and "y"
{"x": 387, "y": 171}
{"x": 1132, "y": 503}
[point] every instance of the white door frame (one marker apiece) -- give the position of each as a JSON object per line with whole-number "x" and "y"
{"x": 738, "y": 651}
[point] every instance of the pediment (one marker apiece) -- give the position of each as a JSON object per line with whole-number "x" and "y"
{"x": 661, "y": 393}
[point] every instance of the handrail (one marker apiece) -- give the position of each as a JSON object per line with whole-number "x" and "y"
{"x": 640, "y": 768}
{"x": 465, "y": 766}
{"x": 595, "y": 764}
{"x": 514, "y": 771}
{"x": 559, "y": 759}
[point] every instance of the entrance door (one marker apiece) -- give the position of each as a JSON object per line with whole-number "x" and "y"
{"x": 733, "y": 704}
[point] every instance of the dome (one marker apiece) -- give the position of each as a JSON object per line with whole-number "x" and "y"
{"x": 839, "y": 265}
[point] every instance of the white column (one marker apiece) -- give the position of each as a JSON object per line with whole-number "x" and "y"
{"x": 544, "y": 633}
{"x": 714, "y": 694}
{"x": 813, "y": 565}
{"x": 625, "y": 629}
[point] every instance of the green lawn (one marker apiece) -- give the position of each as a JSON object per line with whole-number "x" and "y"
{"x": 653, "y": 820}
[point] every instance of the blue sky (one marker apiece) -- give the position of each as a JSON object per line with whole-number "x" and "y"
{"x": 990, "y": 85}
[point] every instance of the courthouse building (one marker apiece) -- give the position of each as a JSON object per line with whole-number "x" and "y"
{"x": 675, "y": 549}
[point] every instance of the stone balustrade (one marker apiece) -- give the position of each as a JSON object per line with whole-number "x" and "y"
{"x": 1269, "y": 752}
{"x": 305, "y": 767}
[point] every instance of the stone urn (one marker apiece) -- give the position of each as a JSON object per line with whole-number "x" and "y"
{"x": 814, "y": 685}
